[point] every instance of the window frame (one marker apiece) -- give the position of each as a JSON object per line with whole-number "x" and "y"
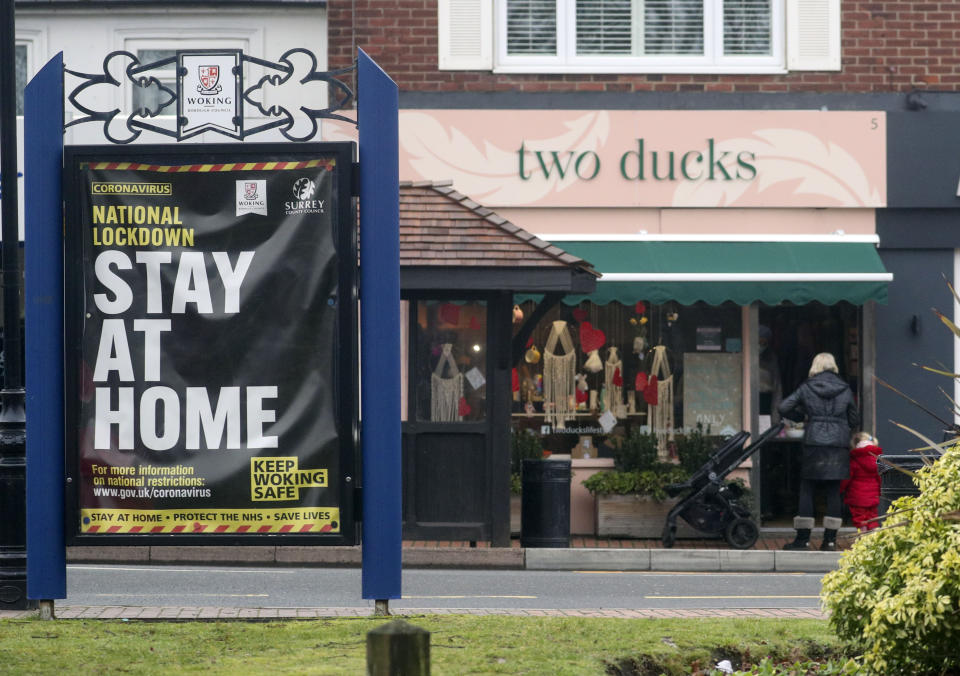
{"x": 32, "y": 41}
{"x": 713, "y": 62}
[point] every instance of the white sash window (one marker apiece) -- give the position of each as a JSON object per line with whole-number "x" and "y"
{"x": 640, "y": 36}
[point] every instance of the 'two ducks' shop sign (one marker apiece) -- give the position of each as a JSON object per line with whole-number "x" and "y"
{"x": 211, "y": 319}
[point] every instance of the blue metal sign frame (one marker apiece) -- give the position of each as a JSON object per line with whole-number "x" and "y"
{"x": 380, "y": 310}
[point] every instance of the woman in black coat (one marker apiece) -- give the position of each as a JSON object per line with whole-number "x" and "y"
{"x": 825, "y": 403}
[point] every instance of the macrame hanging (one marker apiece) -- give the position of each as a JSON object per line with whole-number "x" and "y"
{"x": 613, "y": 383}
{"x": 559, "y": 377}
{"x": 446, "y": 393}
{"x": 661, "y": 413}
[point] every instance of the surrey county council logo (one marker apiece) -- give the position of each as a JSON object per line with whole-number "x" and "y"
{"x": 252, "y": 197}
{"x": 303, "y": 190}
{"x": 209, "y": 77}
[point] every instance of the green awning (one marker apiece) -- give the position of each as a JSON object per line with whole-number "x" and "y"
{"x": 799, "y": 271}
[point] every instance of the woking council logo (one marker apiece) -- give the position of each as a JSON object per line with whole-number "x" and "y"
{"x": 252, "y": 197}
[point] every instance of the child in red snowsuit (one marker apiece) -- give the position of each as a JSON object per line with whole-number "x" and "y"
{"x": 861, "y": 492}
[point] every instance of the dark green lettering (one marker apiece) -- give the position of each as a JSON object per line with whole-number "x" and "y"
{"x": 717, "y": 162}
{"x": 656, "y": 175}
{"x": 639, "y": 155}
{"x": 746, "y": 165}
{"x": 683, "y": 164}
{"x": 596, "y": 165}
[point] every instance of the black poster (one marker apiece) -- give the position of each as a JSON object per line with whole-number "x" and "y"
{"x": 207, "y": 387}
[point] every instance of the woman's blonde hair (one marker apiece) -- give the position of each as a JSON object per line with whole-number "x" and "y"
{"x": 823, "y": 362}
{"x": 863, "y": 436}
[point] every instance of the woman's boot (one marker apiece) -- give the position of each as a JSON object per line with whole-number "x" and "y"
{"x": 831, "y": 525}
{"x": 802, "y": 524}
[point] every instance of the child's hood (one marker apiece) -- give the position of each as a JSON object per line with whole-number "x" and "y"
{"x": 864, "y": 451}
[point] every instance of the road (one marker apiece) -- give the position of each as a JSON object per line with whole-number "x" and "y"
{"x": 232, "y": 587}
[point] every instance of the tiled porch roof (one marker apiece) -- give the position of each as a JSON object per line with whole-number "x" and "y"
{"x": 442, "y": 227}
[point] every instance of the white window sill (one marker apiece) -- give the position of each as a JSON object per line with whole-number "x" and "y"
{"x": 641, "y": 70}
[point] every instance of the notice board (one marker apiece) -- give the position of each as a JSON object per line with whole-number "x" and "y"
{"x": 712, "y": 391}
{"x": 212, "y": 380}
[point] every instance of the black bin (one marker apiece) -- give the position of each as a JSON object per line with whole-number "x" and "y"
{"x": 894, "y": 483}
{"x": 545, "y": 504}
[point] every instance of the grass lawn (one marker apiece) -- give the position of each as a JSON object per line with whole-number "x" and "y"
{"x": 458, "y": 645}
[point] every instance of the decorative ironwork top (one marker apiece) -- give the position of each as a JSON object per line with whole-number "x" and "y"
{"x": 209, "y": 95}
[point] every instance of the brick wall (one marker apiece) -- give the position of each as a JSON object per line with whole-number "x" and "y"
{"x": 887, "y": 46}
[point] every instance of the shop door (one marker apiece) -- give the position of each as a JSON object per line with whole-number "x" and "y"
{"x": 446, "y": 434}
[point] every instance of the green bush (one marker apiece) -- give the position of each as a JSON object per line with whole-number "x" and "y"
{"x": 637, "y": 452}
{"x": 896, "y": 594}
{"x": 524, "y": 444}
{"x": 695, "y": 447}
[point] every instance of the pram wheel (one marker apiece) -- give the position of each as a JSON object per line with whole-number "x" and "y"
{"x": 669, "y": 536}
{"x": 741, "y": 533}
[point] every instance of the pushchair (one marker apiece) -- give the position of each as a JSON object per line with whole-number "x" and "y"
{"x": 710, "y": 503}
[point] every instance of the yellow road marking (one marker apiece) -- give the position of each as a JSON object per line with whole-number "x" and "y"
{"x": 470, "y": 596}
{"x": 664, "y": 572}
{"x": 190, "y": 594}
{"x": 735, "y": 596}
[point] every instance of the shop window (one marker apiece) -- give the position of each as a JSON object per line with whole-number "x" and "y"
{"x": 641, "y": 36}
{"x": 450, "y": 364}
{"x": 665, "y": 368}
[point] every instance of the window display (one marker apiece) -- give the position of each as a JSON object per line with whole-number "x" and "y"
{"x": 451, "y": 363}
{"x": 608, "y": 368}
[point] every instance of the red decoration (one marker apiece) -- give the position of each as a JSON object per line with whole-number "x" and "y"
{"x": 582, "y": 396}
{"x": 530, "y": 341}
{"x": 590, "y": 338}
{"x": 475, "y": 324}
{"x": 464, "y": 408}
{"x": 514, "y": 381}
{"x": 580, "y": 314}
{"x": 641, "y": 382}
{"x": 640, "y": 308}
{"x": 617, "y": 378}
{"x": 650, "y": 391}
{"x": 449, "y": 313}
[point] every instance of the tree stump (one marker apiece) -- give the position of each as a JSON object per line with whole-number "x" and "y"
{"x": 398, "y": 648}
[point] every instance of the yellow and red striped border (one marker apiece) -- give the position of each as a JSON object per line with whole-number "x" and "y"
{"x": 327, "y": 164}
{"x": 103, "y": 521}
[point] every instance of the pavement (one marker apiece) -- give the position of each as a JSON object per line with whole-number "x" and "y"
{"x": 584, "y": 553}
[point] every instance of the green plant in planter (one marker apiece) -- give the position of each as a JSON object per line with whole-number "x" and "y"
{"x": 649, "y": 482}
{"x": 637, "y": 470}
{"x": 524, "y": 444}
{"x": 695, "y": 447}
{"x": 638, "y": 452}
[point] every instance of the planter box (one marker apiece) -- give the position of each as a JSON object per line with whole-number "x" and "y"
{"x": 635, "y": 516}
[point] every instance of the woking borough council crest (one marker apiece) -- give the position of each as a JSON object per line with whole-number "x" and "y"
{"x": 209, "y": 77}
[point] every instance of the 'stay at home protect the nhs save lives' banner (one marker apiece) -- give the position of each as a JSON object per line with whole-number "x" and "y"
{"x": 206, "y": 388}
